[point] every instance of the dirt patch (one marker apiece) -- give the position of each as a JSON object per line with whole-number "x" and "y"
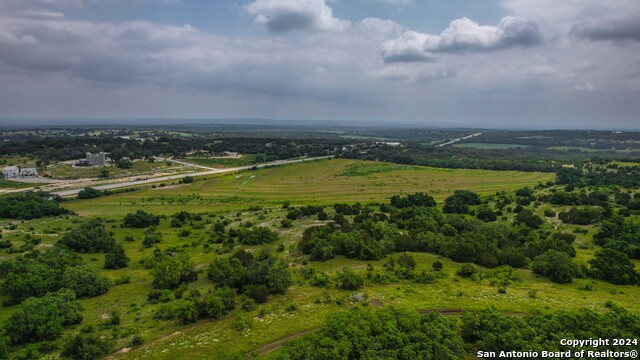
{"x": 377, "y": 303}
{"x": 265, "y": 349}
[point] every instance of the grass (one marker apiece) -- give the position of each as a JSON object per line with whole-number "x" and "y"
{"x": 317, "y": 182}
{"x": 246, "y": 159}
{"x": 8, "y": 184}
{"x": 68, "y": 172}
{"x": 491, "y": 146}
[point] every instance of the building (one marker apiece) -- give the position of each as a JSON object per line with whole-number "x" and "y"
{"x": 11, "y": 172}
{"x": 99, "y": 159}
{"x": 28, "y": 173}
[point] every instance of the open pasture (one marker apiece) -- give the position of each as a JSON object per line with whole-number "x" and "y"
{"x": 318, "y": 182}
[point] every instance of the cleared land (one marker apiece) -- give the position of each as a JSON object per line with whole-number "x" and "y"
{"x": 491, "y": 146}
{"x": 321, "y": 182}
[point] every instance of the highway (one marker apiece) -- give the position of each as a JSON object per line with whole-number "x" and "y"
{"x": 72, "y": 192}
{"x": 459, "y": 139}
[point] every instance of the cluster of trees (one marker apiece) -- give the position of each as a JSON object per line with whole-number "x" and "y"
{"x": 90, "y": 237}
{"x": 398, "y": 333}
{"x": 459, "y": 202}
{"x": 90, "y": 193}
{"x": 44, "y": 318}
{"x": 30, "y": 205}
{"x": 620, "y": 234}
{"x": 40, "y": 272}
{"x": 390, "y": 333}
{"x": 584, "y": 215}
{"x": 624, "y": 176}
{"x": 256, "y": 276}
{"x": 489, "y": 330}
{"x": 140, "y": 219}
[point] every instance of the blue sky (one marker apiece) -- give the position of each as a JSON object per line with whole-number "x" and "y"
{"x": 511, "y": 63}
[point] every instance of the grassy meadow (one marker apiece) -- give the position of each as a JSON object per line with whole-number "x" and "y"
{"x": 303, "y": 307}
{"x": 317, "y": 182}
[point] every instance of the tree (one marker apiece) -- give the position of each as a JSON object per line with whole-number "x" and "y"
{"x": 30, "y": 205}
{"x": 104, "y": 174}
{"x": 187, "y": 180}
{"x": 555, "y": 265}
{"x": 116, "y": 258}
{"x": 172, "y": 272}
{"x": 528, "y": 218}
{"x": 220, "y": 301}
{"x": 89, "y": 193}
{"x": 84, "y": 281}
{"x": 417, "y": 199}
{"x": 140, "y": 219}
{"x": 90, "y": 237}
{"x": 85, "y": 346}
{"x": 124, "y": 164}
{"x": 348, "y": 279}
{"x": 38, "y": 319}
{"x": 486, "y": 214}
{"x": 466, "y": 270}
{"x": 185, "y": 311}
{"x": 613, "y": 266}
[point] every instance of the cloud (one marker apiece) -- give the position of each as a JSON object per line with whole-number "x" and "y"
{"x": 616, "y": 27}
{"x": 586, "y": 86}
{"x": 393, "y": 2}
{"x": 463, "y": 35}
{"x": 288, "y": 15}
{"x": 409, "y": 47}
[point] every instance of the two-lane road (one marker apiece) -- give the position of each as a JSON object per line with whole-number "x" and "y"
{"x": 72, "y": 192}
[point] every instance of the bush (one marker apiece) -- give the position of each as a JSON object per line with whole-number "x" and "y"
{"x": 140, "y": 219}
{"x": 90, "y": 237}
{"x": 85, "y": 347}
{"x": 124, "y": 164}
{"x": 555, "y": 265}
{"x": 30, "y": 205}
{"x": 116, "y": 258}
{"x": 286, "y": 223}
{"x": 39, "y": 319}
{"x": 172, "y": 272}
{"x": 348, "y": 279}
{"x": 89, "y": 193}
{"x": 187, "y": 180}
{"x": 185, "y": 311}
{"x": 85, "y": 281}
{"x": 437, "y": 265}
{"x": 615, "y": 267}
{"x": 466, "y": 271}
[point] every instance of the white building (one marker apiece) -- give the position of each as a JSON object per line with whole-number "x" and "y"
{"x": 99, "y": 159}
{"x": 11, "y": 172}
{"x": 28, "y": 173}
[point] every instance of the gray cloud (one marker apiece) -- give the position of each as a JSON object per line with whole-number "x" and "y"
{"x": 618, "y": 27}
{"x": 463, "y": 35}
{"x": 287, "y": 15}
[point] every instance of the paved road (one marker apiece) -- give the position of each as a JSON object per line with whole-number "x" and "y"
{"x": 73, "y": 192}
{"x": 459, "y": 139}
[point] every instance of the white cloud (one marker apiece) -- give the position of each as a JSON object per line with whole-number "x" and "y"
{"x": 287, "y": 15}
{"x": 463, "y": 35}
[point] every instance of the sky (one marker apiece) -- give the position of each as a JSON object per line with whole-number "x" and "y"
{"x": 490, "y": 63}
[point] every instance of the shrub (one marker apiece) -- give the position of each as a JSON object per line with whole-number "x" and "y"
{"x": 140, "y": 219}
{"x": 116, "y": 258}
{"x": 348, "y": 279}
{"x": 90, "y": 237}
{"x": 466, "y": 270}
{"x": 555, "y": 265}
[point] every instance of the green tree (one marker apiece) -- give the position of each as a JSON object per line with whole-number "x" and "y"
{"x": 90, "y": 237}
{"x": 89, "y": 193}
{"x": 85, "y": 346}
{"x": 172, "y": 272}
{"x": 348, "y": 279}
{"x": 555, "y": 265}
{"x": 39, "y": 319}
{"x": 85, "y": 281}
{"x": 613, "y": 266}
{"x": 116, "y": 258}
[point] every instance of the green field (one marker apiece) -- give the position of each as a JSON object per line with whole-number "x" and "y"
{"x": 319, "y": 182}
{"x": 8, "y": 184}
{"x": 491, "y": 146}
{"x": 68, "y": 172}
{"x": 246, "y": 159}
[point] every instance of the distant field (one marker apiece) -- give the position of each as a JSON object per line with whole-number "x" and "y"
{"x": 491, "y": 146}
{"x": 246, "y": 159}
{"x": 7, "y": 184}
{"x": 65, "y": 171}
{"x": 321, "y": 182}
